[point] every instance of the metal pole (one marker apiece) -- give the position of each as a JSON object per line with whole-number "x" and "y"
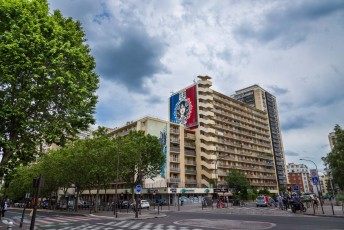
{"x": 136, "y": 207}
{"x": 22, "y": 218}
{"x": 33, "y": 218}
{"x": 178, "y": 203}
{"x": 116, "y": 195}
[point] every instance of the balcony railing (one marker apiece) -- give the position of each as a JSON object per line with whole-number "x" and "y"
{"x": 175, "y": 149}
{"x": 190, "y": 152}
{"x": 175, "y": 169}
{"x": 190, "y": 171}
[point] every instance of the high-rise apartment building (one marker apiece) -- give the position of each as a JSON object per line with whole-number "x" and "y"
{"x": 229, "y": 134}
{"x": 259, "y": 98}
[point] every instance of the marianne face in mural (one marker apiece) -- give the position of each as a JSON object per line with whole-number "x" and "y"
{"x": 183, "y": 111}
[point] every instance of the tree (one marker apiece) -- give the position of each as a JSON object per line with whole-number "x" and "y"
{"x": 237, "y": 183}
{"x": 47, "y": 79}
{"x": 22, "y": 182}
{"x": 143, "y": 157}
{"x": 335, "y": 159}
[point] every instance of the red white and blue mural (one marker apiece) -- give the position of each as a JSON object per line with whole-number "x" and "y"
{"x": 183, "y": 107}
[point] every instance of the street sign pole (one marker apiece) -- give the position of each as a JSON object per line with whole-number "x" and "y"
{"x": 138, "y": 191}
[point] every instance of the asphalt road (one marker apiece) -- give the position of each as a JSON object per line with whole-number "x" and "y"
{"x": 229, "y": 221}
{"x": 178, "y": 221}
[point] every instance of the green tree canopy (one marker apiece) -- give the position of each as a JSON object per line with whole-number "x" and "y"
{"x": 237, "y": 182}
{"x": 335, "y": 158}
{"x": 143, "y": 157}
{"x": 47, "y": 79}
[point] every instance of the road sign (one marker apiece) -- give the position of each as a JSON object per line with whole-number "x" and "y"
{"x": 313, "y": 172}
{"x": 296, "y": 188}
{"x": 315, "y": 180}
{"x": 174, "y": 190}
{"x": 138, "y": 189}
{"x": 217, "y": 190}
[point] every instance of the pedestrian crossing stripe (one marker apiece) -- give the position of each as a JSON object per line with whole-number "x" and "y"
{"x": 122, "y": 225}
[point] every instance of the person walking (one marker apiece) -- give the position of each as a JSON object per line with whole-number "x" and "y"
{"x": 315, "y": 202}
{"x": 4, "y": 209}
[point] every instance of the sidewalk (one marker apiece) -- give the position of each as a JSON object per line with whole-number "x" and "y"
{"x": 329, "y": 210}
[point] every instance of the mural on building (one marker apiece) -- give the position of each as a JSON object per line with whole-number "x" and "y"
{"x": 163, "y": 141}
{"x": 183, "y": 107}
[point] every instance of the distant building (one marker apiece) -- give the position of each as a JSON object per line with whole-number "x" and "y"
{"x": 331, "y": 139}
{"x": 298, "y": 174}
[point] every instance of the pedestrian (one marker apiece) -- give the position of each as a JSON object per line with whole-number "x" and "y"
{"x": 4, "y": 209}
{"x": 315, "y": 202}
{"x": 267, "y": 200}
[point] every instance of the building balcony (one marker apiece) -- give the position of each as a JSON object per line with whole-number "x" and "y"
{"x": 174, "y": 180}
{"x": 190, "y": 171}
{"x": 174, "y": 169}
{"x": 174, "y": 160}
{"x": 191, "y": 181}
{"x": 190, "y": 162}
{"x": 175, "y": 149}
{"x": 190, "y": 152}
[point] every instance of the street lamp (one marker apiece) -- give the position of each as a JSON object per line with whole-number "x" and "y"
{"x": 316, "y": 168}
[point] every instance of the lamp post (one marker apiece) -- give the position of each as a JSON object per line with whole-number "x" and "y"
{"x": 216, "y": 176}
{"x": 316, "y": 168}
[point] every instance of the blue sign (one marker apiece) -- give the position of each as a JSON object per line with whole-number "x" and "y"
{"x": 138, "y": 188}
{"x": 315, "y": 180}
{"x": 296, "y": 187}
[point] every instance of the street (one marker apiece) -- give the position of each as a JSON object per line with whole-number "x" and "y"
{"x": 189, "y": 218}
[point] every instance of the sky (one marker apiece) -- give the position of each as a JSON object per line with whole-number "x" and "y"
{"x": 145, "y": 50}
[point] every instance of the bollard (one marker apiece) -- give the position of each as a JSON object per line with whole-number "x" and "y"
{"x": 332, "y": 207}
{"x": 10, "y": 225}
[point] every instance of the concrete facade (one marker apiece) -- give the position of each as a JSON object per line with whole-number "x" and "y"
{"x": 261, "y": 99}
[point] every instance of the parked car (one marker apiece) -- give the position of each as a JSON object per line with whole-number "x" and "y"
{"x": 45, "y": 204}
{"x": 144, "y": 204}
{"x": 261, "y": 202}
{"x": 160, "y": 201}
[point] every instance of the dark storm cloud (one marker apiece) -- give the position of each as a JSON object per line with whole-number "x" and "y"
{"x": 275, "y": 90}
{"x": 291, "y": 153}
{"x": 290, "y": 22}
{"x": 296, "y": 122}
{"x": 129, "y": 58}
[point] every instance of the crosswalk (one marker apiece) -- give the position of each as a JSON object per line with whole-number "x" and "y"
{"x": 78, "y": 223}
{"x": 44, "y": 220}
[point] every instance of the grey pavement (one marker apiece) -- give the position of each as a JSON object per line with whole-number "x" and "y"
{"x": 248, "y": 209}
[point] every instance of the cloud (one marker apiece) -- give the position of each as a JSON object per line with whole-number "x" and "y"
{"x": 291, "y": 153}
{"x": 129, "y": 55}
{"x": 275, "y": 90}
{"x": 297, "y": 122}
{"x": 288, "y": 23}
